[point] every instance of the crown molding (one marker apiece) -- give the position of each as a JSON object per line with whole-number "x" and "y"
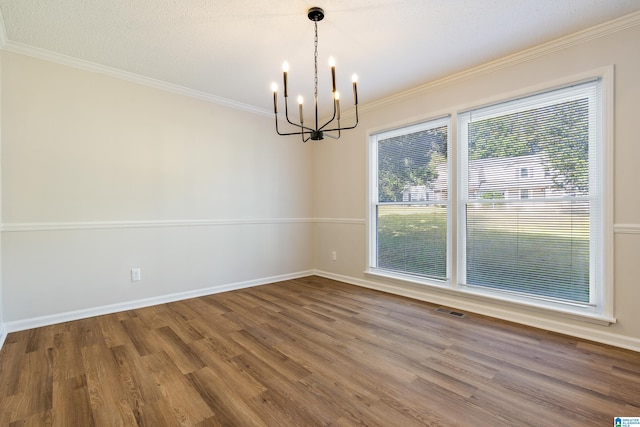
{"x": 579, "y": 37}
{"x": 583, "y": 36}
{"x": 81, "y": 64}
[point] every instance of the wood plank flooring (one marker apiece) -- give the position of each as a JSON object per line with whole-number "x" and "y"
{"x": 309, "y": 352}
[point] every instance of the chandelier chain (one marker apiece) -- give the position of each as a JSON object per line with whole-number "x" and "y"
{"x": 315, "y": 58}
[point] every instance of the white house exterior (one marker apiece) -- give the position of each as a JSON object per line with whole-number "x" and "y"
{"x": 522, "y": 177}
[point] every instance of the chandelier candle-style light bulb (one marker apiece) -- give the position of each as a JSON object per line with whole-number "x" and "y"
{"x": 354, "y": 79}
{"x": 274, "y": 88}
{"x": 319, "y": 131}
{"x": 300, "y": 105}
{"x": 285, "y": 70}
{"x": 332, "y": 64}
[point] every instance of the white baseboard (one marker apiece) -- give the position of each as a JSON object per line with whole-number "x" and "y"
{"x": 3, "y": 334}
{"x": 553, "y": 325}
{"x": 36, "y": 322}
{"x": 529, "y": 319}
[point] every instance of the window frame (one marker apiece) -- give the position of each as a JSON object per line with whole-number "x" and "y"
{"x": 374, "y": 203}
{"x": 600, "y": 314}
{"x": 596, "y": 142}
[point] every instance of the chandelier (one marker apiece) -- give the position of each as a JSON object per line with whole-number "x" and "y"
{"x": 333, "y": 126}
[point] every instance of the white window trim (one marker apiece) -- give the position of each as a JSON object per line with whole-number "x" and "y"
{"x": 604, "y": 314}
{"x": 372, "y": 199}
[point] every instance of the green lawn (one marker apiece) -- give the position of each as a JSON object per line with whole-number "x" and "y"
{"x": 539, "y": 251}
{"x": 413, "y": 240}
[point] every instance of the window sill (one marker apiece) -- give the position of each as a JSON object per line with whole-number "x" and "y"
{"x": 481, "y": 302}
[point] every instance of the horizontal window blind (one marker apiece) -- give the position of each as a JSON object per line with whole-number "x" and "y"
{"x": 529, "y": 195}
{"x": 411, "y": 202}
{"x": 413, "y": 239}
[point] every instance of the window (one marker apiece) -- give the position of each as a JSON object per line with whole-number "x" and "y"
{"x": 537, "y": 239}
{"x": 410, "y": 200}
{"x": 543, "y": 248}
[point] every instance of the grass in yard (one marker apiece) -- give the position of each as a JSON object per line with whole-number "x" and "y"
{"x": 543, "y": 252}
{"x": 413, "y": 240}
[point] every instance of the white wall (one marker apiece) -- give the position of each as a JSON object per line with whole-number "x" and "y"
{"x": 340, "y": 185}
{"x": 100, "y": 175}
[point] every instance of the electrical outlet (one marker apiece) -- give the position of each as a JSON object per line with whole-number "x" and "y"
{"x": 334, "y": 256}
{"x": 136, "y": 274}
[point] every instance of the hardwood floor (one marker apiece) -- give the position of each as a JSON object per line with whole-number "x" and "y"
{"x": 309, "y": 352}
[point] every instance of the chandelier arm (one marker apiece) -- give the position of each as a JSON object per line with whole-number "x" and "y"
{"x": 277, "y": 129}
{"x": 332, "y": 136}
{"x": 300, "y": 125}
{"x": 306, "y": 131}
{"x": 331, "y": 119}
{"x": 303, "y": 132}
{"x": 339, "y": 128}
{"x": 286, "y": 133}
{"x": 295, "y": 133}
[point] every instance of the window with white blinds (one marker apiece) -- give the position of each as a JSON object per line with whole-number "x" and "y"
{"x": 530, "y": 190}
{"x": 525, "y": 198}
{"x": 410, "y": 200}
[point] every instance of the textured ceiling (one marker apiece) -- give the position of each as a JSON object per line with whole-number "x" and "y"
{"x": 234, "y": 49}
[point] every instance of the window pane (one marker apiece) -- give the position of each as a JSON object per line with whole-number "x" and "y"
{"x": 412, "y": 167}
{"x": 413, "y": 239}
{"x": 528, "y": 209}
{"x": 536, "y": 248}
{"x": 411, "y": 207}
{"x": 543, "y": 150}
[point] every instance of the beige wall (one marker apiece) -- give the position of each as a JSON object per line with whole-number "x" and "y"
{"x": 100, "y": 175}
{"x": 340, "y": 184}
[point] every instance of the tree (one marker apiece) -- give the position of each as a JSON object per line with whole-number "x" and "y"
{"x": 566, "y": 143}
{"x": 559, "y": 131}
{"x": 511, "y": 135}
{"x": 409, "y": 160}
